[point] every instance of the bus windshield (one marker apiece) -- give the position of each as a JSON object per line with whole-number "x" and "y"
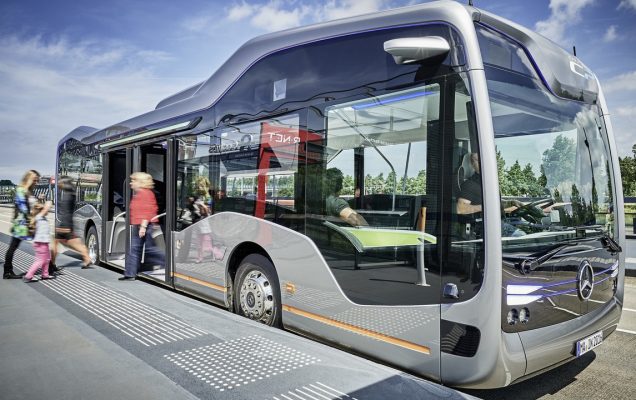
{"x": 552, "y": 160}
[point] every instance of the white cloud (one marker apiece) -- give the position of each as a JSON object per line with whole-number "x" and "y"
{"x": 564, "y": 13}
{"x": 610, "y": 34}
{"x": 197, "y": 24}
{"x": 620, "y": 83}
{"x": 240, "y": 11}
{"x": 275, "y": 17}
{"x": 627, "y": 4}
{"x": 625, "y": 111}
{"x": 283, "y": 14}
{"x": 51, "y": 87}
{"x": 335, "y": 9}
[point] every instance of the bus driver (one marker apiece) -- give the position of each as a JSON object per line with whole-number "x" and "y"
{"x": 336, "y": 206}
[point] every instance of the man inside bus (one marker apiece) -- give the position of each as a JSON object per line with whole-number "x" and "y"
{"x": 470, "y": 198}
{"x": 336, "y": 206}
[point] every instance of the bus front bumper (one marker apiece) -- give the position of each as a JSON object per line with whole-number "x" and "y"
{"x": 549, "y": 347}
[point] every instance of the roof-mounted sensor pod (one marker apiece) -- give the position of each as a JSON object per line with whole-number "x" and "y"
{"x": 409, "y": 50}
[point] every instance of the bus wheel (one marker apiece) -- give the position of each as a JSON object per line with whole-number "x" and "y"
{"x": 257, "y": 291}
{"x": 92, "y": 245}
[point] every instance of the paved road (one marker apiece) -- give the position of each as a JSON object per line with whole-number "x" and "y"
{"x": 58, "y": 339}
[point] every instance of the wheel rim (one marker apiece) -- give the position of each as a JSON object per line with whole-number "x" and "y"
{"x": 257, "y": 297}
{"x": 92, "y": 248}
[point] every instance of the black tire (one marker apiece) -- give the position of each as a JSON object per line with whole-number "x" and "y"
{"x": 257, "y": 291}
{"x": 92, "y": 245}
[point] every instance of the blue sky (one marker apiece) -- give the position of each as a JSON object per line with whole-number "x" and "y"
{"x": 68, "y": 63}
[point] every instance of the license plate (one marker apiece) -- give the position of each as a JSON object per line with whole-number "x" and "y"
{"x": 590, "y": 342}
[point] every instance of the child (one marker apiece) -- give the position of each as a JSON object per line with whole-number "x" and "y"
{"x": 41, "y": 241}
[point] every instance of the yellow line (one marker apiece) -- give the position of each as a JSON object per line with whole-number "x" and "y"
{"x": 199, "y": 281}
{"x": 356, "y": 329}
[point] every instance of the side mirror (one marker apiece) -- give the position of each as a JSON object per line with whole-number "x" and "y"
{"x": 409, "y": 50}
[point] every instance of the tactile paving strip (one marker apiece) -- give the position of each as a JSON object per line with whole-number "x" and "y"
{"x": 239, "y": 362}
{"x": 314, "y": 391}
{"x": 141, "y": 322}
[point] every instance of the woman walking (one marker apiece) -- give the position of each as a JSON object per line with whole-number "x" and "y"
{"x": 40, "y": 242}
{"x": 64, "y": 224}
{"x": 23, "y": 202}
{"x": 143, "y": 210}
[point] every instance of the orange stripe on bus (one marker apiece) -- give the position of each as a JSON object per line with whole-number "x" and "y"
{"x": 358, "y": 330}
{"x": 199, "y": 281}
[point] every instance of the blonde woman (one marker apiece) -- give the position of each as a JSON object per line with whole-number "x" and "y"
{"x": 143, "y": 208}
{"x": 20, "y": 231}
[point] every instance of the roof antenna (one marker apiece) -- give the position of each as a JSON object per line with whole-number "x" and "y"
{"x": 470, "y": 3}
{"x": 574, "y": 50}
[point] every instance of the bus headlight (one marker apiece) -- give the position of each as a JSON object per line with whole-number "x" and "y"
{"x": 513, "y": 317}
{"x": 524, "y": 315}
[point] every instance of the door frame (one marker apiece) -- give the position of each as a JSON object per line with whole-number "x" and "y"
{"x": 170, "y": 198}
{"x": 106, "y": 190}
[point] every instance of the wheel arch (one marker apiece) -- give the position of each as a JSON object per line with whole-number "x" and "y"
{"x": 234, "y": 261}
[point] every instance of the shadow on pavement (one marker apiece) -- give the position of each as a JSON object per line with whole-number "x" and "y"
{"x": 548, "y": 383}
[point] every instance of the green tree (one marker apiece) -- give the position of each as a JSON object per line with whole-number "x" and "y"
{"x": 628, "y": 173}
{"x": 347, "y": 186}
{"x": 542, "y": 180}
{"x": 505, "y": 186}
{"x": 558, "y": 162}
{"x": 515, "y": 177}
{"x": 530, "y": 182}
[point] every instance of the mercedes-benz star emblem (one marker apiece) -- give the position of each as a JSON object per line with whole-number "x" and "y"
{"x": 585, "y": 280}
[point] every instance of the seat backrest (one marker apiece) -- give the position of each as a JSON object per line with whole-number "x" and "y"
{"x": 465, "y": 170}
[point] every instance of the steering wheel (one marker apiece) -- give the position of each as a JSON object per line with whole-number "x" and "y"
{"x": 531, "y": 212}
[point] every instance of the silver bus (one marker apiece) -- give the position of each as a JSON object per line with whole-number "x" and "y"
{"x": 433, "y": 187}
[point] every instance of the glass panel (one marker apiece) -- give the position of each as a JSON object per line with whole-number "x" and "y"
{"x": 116, "y": 228}
{"x": 70, "y": 160}
{"x": 153, "y": 162}
{"x": 90, "y": 182}
{"x": 464, "y": 266}
{"x": 372, "y": 211}
{"x": 336, "y": 68}
{"x": 249, "y": 168}
{"x": 553, "y": 163}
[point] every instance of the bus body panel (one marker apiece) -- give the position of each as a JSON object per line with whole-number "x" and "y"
{"x": 550, "y": 345}
{"x": 478, "y": 311}
{"x": 312, "y": 301}
{"x": 618, "y": 197}
{"x": 83, "y": 216}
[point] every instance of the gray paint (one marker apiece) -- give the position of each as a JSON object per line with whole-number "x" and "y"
{"x": 297, "y": 258}
{"x": 500, "y": 359}
{"x": 556, "y": 65}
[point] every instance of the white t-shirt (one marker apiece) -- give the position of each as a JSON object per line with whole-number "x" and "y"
{"x": 42, "y": 230}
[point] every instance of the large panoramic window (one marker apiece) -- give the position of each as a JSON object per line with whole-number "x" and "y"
{"x": 249, "y": 168}
{"x": 552, "y": 158}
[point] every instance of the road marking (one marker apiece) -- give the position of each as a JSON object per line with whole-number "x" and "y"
{"x": 626, "y": 331}
{"x": 629, "y": 309}
{"x": 630, "y": 260}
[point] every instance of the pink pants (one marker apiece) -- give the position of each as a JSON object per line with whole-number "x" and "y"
{"x": 42, "y": 258}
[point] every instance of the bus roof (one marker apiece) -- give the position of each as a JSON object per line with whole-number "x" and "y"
{"x": 552, "y": 61}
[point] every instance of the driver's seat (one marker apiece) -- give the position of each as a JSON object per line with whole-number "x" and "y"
{"x": 465, "y": 171}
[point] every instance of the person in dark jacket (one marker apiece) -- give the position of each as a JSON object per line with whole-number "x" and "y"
{"x": 64, "y": 225}
{"x": 23, "y": 202}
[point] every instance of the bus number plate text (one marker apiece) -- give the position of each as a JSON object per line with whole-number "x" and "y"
{"x": 590, "y": 342}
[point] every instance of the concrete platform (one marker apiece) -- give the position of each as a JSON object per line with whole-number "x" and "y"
{"x": 88, "y": 335}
